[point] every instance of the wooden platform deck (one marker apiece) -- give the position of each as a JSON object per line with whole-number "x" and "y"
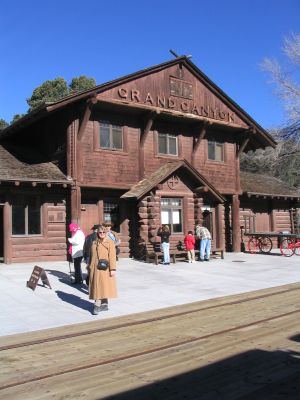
{"x": 238, "y": 347}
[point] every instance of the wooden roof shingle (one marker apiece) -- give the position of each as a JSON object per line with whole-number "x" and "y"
{"x": 148, "y": 183}
{"x": 13, "y": 169}
{"x": 253, "y": 183}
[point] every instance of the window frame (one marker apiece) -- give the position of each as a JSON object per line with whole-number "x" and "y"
{"x": 117, "y": 223}
{"x": 25, "y": 203}
{"x": 216, "y": 143}
{"x": 170, "y": 208}
{"x": 167, "y": 135}
{"x": 110, "y": 148}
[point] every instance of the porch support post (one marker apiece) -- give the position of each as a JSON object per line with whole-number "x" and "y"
{"x": 272, "y": 216}
{"x": 72, "y": 150}
{"x": 236, "y": 233}
{"x": 220, "y": 226}
{"x": 75, "y": 204}
{"x": 7, "y": 245}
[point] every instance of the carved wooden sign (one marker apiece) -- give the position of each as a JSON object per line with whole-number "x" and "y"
{"x": 173, "y": 182}
{"x": 220, "y": 113}
{"x": 36, "y": 274}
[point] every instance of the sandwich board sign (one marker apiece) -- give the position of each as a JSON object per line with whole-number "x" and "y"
{"x": 37, "y": 274}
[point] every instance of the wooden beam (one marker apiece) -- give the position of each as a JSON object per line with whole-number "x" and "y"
{"x": 144, "y": 134}
{"x": 201, "y": 189}
{"x": 246, "y": 138}
{"x": 7, "y": 226}
{"x": 148, "y": 126}
{"x": 202, "y": 133}
{"x": 201, "y": 136}
{"x": 86, "y": 116}
{"x": 236, "y": 232}
{"x": 173, "y": 113}
{"x": 241, "y": 148}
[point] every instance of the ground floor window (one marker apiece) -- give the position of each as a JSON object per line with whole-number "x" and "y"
{"x": 171, "y": 214}
{"x": 26, "y": 218}
{"x": 111, "y": 214}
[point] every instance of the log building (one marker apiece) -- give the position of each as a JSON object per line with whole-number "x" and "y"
{"x": 159, "y": 146}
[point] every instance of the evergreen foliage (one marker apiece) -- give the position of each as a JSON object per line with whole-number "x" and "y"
{"x": 81, "y": 83}
{"x": 48, "y": 92}
{"x": 56, "y": 89}
{"x": 3, "y": 124}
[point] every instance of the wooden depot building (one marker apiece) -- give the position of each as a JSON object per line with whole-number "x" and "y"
{"x": 159, "y": 146}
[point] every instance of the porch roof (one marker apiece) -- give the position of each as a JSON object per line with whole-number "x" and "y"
{"x": 265, "y": 185}
{"x": 148, "y": 183}
{"x": 15, "y": 169}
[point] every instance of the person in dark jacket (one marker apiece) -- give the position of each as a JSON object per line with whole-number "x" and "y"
{"x": 88, "y": 244}
{"x": 164, "y": 233}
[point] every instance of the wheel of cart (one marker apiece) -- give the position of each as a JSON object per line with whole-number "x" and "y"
{"x": 265, "y": 244}
{"x": 253, "y": 244}
{"x": 260, "y": 243}
{"x": 287, "y": 247}
{"x": 297, "y": 247}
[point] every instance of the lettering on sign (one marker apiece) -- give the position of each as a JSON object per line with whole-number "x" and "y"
{"x": 177, "y": 104}
{"x": 37, "y": 274}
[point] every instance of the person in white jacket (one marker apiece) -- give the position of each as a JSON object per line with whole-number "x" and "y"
{"x": 77, "y": 242}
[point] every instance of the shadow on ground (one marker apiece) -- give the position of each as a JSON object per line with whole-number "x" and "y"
{"x": 75, "y": 300}
{"x": 253, "y": 375}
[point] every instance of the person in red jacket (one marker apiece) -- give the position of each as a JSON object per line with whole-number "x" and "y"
{"x": 189, "y": 242}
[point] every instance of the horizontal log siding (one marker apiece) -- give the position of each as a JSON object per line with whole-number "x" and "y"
{"x": 283, "y": 220}
{"x": 50, "y": 246}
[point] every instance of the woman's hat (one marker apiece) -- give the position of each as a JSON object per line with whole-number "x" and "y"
{"x": 73, "y": 227}
{"x": 96, "y": 226}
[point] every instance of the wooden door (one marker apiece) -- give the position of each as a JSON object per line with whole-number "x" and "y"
{"x": 262, "y": 222}
{"x": 89, "y": 217}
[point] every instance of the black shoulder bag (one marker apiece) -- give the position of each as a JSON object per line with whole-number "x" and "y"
{"x": 103, "y": 264}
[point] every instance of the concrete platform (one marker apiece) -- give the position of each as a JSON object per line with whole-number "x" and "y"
{"x": 141, "y": 287}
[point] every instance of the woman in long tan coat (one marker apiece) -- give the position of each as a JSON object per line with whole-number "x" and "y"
{"x": 102, "y": 284}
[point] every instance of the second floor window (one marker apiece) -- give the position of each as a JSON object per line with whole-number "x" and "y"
{"x": 167, "y": 144}
{"x": 216, "y": 151}
{"x": 111, "y": 136}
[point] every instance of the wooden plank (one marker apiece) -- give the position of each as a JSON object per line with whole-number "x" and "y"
{"x": 215, "y": 364}
{"x": 38, "y": 361}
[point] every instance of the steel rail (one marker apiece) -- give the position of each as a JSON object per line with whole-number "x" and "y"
{"x": 145, "y": 352}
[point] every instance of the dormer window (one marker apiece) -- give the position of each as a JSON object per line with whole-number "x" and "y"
{"x": 110, "y": 136}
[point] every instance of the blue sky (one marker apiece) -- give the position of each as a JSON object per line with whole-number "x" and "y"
{"x": 42, "y": 40}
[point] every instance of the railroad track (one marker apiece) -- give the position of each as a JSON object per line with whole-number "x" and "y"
{"x": 158, "y": 351}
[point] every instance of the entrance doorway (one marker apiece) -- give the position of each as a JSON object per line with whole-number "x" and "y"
{"x": 1, "y": 236}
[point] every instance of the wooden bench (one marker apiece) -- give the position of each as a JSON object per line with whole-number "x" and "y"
{"x": 154, "y": 253}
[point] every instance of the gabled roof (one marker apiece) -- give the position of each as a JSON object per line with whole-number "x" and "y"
{"x": 12, "y": 169}
{"x": 265, "y": 185}
{"x": 263, "y": 137}
{"x": 147, "y": 184}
